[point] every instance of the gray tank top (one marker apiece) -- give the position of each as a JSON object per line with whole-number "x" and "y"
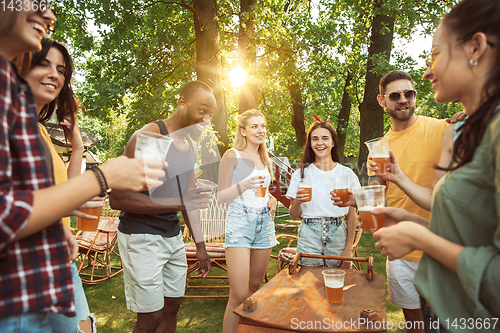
{"x": 180, "y": 168}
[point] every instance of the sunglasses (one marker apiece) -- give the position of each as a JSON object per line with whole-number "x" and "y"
{"x": 396, "y": 95}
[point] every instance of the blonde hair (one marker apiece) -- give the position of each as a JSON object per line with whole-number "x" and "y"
{"x": 240, "y": 142}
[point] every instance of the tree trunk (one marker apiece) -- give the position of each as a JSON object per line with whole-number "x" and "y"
{"x": 293, "y": 87}
{"x": 371, "y": 113}
{"x": 298, "y": 113}
{"x": 343, "y": 117}
{"x": 206, "y": 26}
{"x": 247, "y": 57}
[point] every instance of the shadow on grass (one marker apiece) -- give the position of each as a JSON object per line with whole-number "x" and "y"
{"x": 107, "y": 299}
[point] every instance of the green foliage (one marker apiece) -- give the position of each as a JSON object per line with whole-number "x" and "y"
{"x": 135, "y": 56}
{"x": 112, "y": 134}
{"x": 426, "y": 105}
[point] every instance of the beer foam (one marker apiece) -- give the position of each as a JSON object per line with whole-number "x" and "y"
{"x": 334, "y": 283}
{"x": 368, "y": 208}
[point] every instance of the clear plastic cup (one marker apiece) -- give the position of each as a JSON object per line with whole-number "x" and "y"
{"x": 151, "y": 145}
{"x": 86, "y": 224}
{"x": 208, "y": 188}
{"x": 340, "y": 186}
{"x": 261, "y": 191}
{"x": 209, "y": 185}
{"x": 334, "y": 284}
{"x": 305, "y": 184}
{"x": 379, "y": 151}
{"x": 367, "y": 198}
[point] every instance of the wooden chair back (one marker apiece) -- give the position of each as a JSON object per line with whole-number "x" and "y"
{"x": 96, "y": 249}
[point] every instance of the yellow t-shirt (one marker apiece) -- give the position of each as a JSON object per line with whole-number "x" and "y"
{"x": 417, "y": 149}
{"x": 60, "y": 172}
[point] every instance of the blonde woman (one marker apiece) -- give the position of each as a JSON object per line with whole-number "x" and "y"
{"x": 244, "y": 176}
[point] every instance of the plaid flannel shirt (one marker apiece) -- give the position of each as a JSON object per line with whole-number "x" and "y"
{"x": 35, "y": 275}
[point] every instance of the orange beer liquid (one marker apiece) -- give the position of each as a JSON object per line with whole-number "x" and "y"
{"x": 371, "y": 222}
{"x": 309, "y": 191}
{"x": 343, "y": 194}
{"x": 334, "y": 295}
{"x": 383, "y": 163}
{"x": 89, "y": 225}
{"x": 260, "y": 192}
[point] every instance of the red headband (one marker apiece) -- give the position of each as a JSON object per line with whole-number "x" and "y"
{"x": 321, "y": 121}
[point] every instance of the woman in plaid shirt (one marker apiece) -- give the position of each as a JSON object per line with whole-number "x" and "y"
{"x": 35, "y": 276}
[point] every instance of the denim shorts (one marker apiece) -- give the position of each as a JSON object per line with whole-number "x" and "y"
{"x": 34, "y": 322}
{"x": 324, "y": 235}
{"x": 249, "y": 227}
{"x": 63, "y": 324}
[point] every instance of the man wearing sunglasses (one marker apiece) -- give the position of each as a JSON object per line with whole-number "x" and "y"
{"x": 416, "y": 144}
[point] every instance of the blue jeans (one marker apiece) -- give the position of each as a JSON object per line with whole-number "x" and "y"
{"x": 25, "y": 323}
{"x": 324, "y": 235}
{"x": 63, "y": 324}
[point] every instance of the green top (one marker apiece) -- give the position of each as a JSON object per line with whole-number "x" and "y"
{"x": 466, "y": 211}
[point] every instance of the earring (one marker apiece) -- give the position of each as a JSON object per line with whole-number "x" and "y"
{"x": 472, "y": 62}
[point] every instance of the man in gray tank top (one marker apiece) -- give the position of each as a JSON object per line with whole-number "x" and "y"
{"x": 150, "y": 238}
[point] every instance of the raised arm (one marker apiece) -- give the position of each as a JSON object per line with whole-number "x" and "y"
{"x": 75, "y": 138}
{"x": 421, "y": 195}
{"x": 52, "y": 203}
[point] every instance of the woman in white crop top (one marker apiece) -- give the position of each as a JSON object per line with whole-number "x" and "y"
{"x": 244, "y": 176}
{"x": 326, "y": 228}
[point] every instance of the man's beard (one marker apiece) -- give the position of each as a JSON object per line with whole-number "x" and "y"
{"x": 401, "y": 116}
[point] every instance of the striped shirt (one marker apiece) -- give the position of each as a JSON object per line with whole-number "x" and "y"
{"x": 35, "y": 275}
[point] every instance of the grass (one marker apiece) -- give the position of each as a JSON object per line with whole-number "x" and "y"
{"x": 107, "y": 299}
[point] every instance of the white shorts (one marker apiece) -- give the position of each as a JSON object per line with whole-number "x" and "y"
{"x": 152, "y": 263}
{"x": 400, "y": 275}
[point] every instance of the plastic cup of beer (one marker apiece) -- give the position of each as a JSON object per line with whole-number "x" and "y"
{"x": 334, "y": 284}
{"x": 367, "y": 198}
{"x": 208, "y": 187}
{"x": 340, "y": 186}
{"x": 305, "y": 184}
{"x": 260, "y": 191}
{"x": 86, "y": 224}
{"x": 152, "y": 145}
{"x": 379, "y": 151}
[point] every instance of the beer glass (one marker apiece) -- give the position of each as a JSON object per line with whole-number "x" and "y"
{"x": 305, "y": 184}
{"x": 207, "y": 186}
{"x": 86, "y": 224}
{"x": 334, "y": 284}
{"x": 340, "y": 186}
{"x": 154, "y": 146}
{"x": 260, "y": 191}
{"x": 379, "y": 151}
{"x": 367, "y": 198}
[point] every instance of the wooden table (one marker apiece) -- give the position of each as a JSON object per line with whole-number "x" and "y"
{"x": 298, "y": 303}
